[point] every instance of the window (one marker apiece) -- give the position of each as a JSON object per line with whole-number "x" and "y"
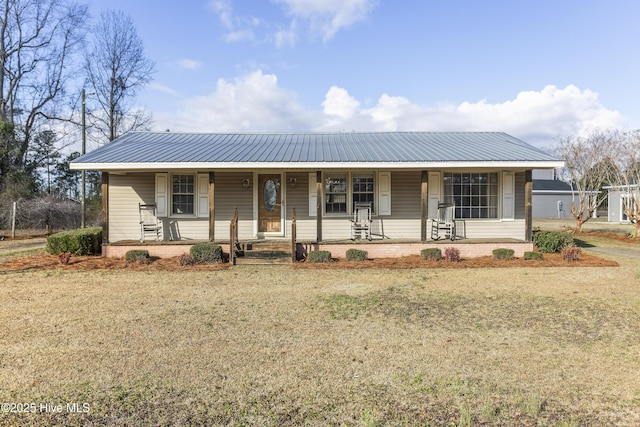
{"x": 335, "y": 194}
{"x": 474, "y": 194}
{"x": 182, "y": 195}
{"x": 363, "y": 190}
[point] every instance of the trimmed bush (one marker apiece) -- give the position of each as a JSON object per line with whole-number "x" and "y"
{"x": 431, "y": 254}
{"x": 356, "y": 255}
{"x": 137, "y": 255}
{"x": 185, "y": 260}
{"x": 84, "y": 241}
{"x": 530, "y": 255}
{"x": 503, "y": 253}
{"x": 451, "y": 254}
{"x": 571, "y": 254}
{"x": 552, "y": 241}
{"x": 319, "y": 256}
{"x": 206, "y": 253}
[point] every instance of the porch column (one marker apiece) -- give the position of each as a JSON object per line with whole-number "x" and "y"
{"x": 319, "y": 206}
{"x": 105, "y": 208}
{"x": 212, "y": 208}
{"x": 424, "y": 205}
{"x": 528, "y": 205}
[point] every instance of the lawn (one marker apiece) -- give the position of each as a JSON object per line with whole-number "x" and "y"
{"x": 280, "y": 346}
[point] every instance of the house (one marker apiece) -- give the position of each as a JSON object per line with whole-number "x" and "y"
{"x": 551, "y": 197}
{"x": 197, "y": 180}
{"x": 617, "y": 197}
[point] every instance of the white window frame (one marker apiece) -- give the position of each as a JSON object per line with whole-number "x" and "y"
{"x": 363, "y": 175}
{"x": 193, "y": 194}
{"x": 326, "y": 193}
{"x": 447, "y": 198}
{"x": 381, "y": 205}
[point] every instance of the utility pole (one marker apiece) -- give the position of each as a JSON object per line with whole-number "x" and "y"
{"x": 84, "y": 149}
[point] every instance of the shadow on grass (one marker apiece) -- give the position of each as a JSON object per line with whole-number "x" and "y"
{"x": 583, "y": 243}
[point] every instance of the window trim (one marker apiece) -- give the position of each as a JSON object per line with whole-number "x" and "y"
{"x": 194, "y": 194}
{"x": 349, "y": 176}
{"x": 499, "y": 195}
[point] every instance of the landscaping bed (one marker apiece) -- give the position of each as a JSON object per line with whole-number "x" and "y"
{"x": 86, "y": 263}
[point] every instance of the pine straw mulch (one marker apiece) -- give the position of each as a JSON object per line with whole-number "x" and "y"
{"x": 93, "y": 263}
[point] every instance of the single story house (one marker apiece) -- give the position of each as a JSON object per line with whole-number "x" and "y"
{"x": 198, "y": 180}
{"x": 551, "y": 197}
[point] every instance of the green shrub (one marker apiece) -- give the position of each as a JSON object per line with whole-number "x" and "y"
{"x": 431, "y": 253}
{"x": 530, "y": 255}
{"x": 451, "y": 254}
{"x": 552, "y": 241}
{"x": 84, "y": 241}
{"x": 503, "y": 253}
{"x": 319, "y": 256}
{"x": 571, "y": 254}
{"x": 138, "y": 255}
{"x": 206, "y": 253}
{"x": 356, "y": 255}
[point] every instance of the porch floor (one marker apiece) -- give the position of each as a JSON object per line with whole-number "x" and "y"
{"x": 271, "y": 241}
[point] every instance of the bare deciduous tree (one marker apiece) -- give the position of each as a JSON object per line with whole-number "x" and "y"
{"x": 38, "y": 39}
{"x": 627, "y": 178}
{"x": 589, "y": 165}
{"x": 116, "y": 69}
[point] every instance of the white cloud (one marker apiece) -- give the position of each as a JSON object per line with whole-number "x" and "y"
{"x": 339, "y": 103}
{"x": 240, "y": 35}
{"x": 162, "y": 88}
{"x": 189, "y": 64}
{"x": 322, "y": 18}
{"x": 256, "y": 102}
{"x": 224, "y": 10}
{"x": 253, "y": 102}
{"x": 327, "y": 17}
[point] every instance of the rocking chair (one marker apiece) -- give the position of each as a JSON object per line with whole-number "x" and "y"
{"x": 148, "y": 221}
{"x": 444, "y": 225}
{"x": 361, "y": 222}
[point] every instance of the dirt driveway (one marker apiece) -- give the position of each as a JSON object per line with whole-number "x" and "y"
{"x": 10, "y": 246}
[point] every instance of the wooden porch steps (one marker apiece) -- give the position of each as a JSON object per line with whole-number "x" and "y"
{"x": 263, "y": 253}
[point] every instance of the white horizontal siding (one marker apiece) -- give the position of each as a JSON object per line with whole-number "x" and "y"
{"x": 487, "y": 229}
{"x": 125, "y": 193}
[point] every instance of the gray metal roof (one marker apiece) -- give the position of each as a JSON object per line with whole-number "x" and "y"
{"x": 551, "y": 185}
{"x": 145, "y": 149}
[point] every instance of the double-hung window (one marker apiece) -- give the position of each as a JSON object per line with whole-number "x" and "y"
{"x": 340, "y": 197}
{"x": 182, "y": 194}
{"x": 335, "y": 193}
{"x": 362, "y": 189}
{"x": 474, "y": 194}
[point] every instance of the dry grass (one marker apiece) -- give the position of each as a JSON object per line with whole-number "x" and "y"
{"x": 276, "y": 346}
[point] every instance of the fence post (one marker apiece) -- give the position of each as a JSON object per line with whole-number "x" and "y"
{"x": 13, "y": 220}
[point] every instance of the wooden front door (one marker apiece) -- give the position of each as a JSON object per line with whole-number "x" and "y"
{"x": 269, "y": 203}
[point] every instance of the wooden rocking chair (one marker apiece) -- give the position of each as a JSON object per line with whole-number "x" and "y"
{"x": 148, "y": 221}
{"x": 444, "y": 225}
{"x": 361, "y": 222}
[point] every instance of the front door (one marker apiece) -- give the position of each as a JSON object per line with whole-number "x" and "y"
{"x": 269, "y": 203}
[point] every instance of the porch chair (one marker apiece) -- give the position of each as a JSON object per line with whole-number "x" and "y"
{"x": 361, "y": 222}
{"x": 444, "y": 224}
{"x": 148, "y": 221}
